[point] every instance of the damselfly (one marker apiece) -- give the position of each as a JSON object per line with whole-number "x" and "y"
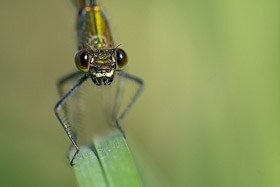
{"x": 99, "y": 62}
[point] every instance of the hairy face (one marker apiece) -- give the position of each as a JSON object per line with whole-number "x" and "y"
{"x": 99, "y": 63}
{"x": 102, "y": 63}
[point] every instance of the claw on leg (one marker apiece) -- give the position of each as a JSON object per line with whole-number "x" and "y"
{"x": 74, "y": 156}
{"x": 120, "y": 128}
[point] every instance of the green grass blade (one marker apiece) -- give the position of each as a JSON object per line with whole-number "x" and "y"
{"x": 117, "y": 161}
{"x": 107, "y": 163}
{"x": 88, "y": 170}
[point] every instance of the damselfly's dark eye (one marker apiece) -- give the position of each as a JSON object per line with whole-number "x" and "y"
{"x": 82, "y": 60}
{"x": 121, "y": 59}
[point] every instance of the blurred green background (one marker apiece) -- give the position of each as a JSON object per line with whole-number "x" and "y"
{"x": 209, "y": 114}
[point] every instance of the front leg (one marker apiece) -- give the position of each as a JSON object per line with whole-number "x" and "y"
{"x": 132, "y": 101}
{"x": 60, "y": 104}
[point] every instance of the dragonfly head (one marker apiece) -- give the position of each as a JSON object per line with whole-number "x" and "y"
{"x": 101, "y": 64}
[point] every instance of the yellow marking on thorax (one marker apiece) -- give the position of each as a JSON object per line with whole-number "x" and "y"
{"x": 88, "y": 8}
{"x": 95, "y": 15}
{"x": 98, "y": 25}
{"x": 99, "y": 22}
{"x": 97, "y": 8}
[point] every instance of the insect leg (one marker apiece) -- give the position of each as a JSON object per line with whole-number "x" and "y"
{"x": 60, "y": 104}
{"x": 65, "y": 79}
{"x": 132, "y": 101}
{"x": 61, "y": 90}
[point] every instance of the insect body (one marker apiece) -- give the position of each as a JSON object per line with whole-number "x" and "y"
{"x": 97, "y": 59}
{"x": 97, "y": 54}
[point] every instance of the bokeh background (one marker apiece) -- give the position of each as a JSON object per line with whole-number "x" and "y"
{"x": 209, "y": 114}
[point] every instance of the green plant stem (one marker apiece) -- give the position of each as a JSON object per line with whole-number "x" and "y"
{"x": 88, "y": 170}
{"x": 107, "y": 163}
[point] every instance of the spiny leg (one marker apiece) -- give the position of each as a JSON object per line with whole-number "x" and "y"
{"x": 63, "y": 81}
{"x": 60, "y": 104}
{"x": 132, "y": 101}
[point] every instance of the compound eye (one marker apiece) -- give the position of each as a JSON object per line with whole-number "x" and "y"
{"x": 82, "y": 59}
{"x": 121, "y": 59}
